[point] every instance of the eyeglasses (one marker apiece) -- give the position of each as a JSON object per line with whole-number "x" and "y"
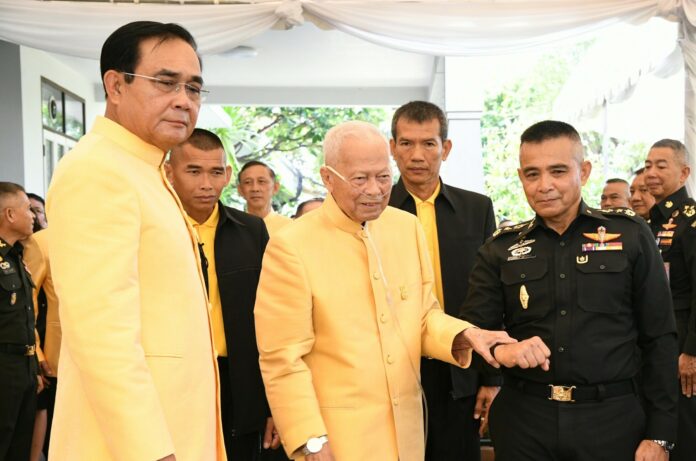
{"x": 195, "y": 93}
{"x": 361, "y": 180}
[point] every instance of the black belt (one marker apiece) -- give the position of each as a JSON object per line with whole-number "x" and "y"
{"x": 18, "y": 349}
{"x": 572, "y": 393}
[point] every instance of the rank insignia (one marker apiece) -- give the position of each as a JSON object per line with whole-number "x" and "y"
{"x": 524, "y": 297}
{"x": 2, "y": 244}
{"x": 669, "y": 225}
{"x": 669, "y": 204}
{"x": 689, "y": 210}
{"x": 4, "y": 265}
{"x": 601, "y": 236}
{"x": 668, "y": 234}
{"x": 693, "y": 224}
{"x": 13, "y": 298}
{"x": 582, "y": 259}
{"x": 675, "y": 214}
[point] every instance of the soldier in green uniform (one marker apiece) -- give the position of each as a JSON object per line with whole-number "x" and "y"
{"x": 590, "y": 285}
{"x": 18, "y": 365}
{"x": 673, "y": 222}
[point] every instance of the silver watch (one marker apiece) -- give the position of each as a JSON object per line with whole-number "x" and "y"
{"x": 314, "y": 445}
{"x": 668, "y": 446}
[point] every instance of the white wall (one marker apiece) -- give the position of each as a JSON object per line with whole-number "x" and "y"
{"x": 34, "y": 65}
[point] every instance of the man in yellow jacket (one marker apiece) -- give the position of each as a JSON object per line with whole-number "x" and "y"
{"x": 344, "y": 311}
{"x": 137, "y": 367}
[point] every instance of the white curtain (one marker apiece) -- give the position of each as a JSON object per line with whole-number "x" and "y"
{"x": 432, "y": 27}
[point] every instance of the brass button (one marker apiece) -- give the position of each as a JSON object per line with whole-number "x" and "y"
{"x": 395, "y": 401}
{"x": 390, "y": 359}
{"x": 562, "y": 276}
{"x": 375, "y": 276}
{"x": 383, "y": 318}
{"x": 602, "y": 266}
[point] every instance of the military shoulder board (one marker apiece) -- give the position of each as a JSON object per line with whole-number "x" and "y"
{"x": 625, "y": 212}
{"x": 511, "y": 229}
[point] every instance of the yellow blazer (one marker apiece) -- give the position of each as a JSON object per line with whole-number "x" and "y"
{"x": 339, "y": 345}
{"x": 138, "y": 375}
{"x": 36, "y": 258}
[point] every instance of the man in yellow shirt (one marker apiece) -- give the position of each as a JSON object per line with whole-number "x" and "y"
{"x": 456, "y": 223}
{"x": 345, "y": 310}
{"x": 233, "y": 243}
{"x": 258, "y": 184}
{"x": 137, "y": 368}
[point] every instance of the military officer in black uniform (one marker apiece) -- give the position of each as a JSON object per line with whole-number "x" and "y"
{"x": 18, "y": 365}
{"x": 590, "y": 285}
{"x": 673, "y": 222}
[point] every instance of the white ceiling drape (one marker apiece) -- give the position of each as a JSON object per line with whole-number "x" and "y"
{"x": 435, "y": 27}
{"x": 432, "y": 27}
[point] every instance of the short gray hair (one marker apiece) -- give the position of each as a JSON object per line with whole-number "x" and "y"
{"x": 333, "y": 141}
{"x": 678, "y": 148}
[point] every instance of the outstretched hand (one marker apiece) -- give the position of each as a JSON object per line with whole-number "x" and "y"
{"x": 481, "y": 341}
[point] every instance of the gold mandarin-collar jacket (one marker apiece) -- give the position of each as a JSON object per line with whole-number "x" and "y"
{"x": 137, "y": 368}
{"x": 336, "y": 357}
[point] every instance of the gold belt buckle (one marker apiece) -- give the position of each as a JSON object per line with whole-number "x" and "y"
{"x": 31, "y": 350}
{"x": 561, "y": 393}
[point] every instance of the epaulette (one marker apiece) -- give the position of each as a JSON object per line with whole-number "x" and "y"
{"x": 623, "y": 212}
{"x": 510, "y": 229}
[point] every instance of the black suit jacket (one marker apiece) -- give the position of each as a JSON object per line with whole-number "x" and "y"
{"x": 465, "y": 220}
{"x": 240, "y": 240}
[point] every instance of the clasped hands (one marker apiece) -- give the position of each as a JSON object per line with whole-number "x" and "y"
{"x": 509, "y": 352}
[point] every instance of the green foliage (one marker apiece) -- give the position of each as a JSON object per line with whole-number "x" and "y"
{"x": 289, "y": 140}
{"x": 510, "y": 110}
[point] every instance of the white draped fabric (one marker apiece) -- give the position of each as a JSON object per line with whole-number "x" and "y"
{"x": 446, "y": 28}
{"x": 435, "y": 27}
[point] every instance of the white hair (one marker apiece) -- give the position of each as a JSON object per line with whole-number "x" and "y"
{"x": 353, "y": 129}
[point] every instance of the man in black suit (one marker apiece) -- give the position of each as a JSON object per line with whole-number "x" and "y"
{"x": 232, "y": 244}
{"x": 456, "y": 223}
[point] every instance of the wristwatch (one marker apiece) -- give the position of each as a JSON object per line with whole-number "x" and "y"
{"x": 668, "y": 446}
{"x": 314, "y": 445}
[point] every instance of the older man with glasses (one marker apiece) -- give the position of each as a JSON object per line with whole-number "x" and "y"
{"x": 138, "y": 369}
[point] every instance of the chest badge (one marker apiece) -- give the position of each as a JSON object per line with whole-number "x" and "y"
{"x": 521, "y": 250}
{"x": 13, "y": 298}
{"x": 524, "y": 297}
{"x": 603, "y": 241}
{"x": 669, "y": 225}
{"x": 582, "y": 259}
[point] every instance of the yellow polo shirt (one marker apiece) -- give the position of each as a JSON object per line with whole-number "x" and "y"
{"x": 206, "y": 234}
{"x": 425, "y": 210}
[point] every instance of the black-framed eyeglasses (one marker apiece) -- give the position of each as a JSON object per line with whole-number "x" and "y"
{"x": 194, "y": 92}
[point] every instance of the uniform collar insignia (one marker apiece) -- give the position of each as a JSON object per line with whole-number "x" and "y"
{"x": 669, "y": 204}
{"x": 601, "y": 236}
{"x": 689, "y": 210}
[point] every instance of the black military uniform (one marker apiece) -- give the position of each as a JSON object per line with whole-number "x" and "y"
{"x": 673, "y": 222}
{"x": 596, "y": 295}
{"x": 18, "y": 366}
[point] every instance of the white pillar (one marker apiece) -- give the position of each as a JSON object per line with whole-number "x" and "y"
{"x": 463, "y": 103}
